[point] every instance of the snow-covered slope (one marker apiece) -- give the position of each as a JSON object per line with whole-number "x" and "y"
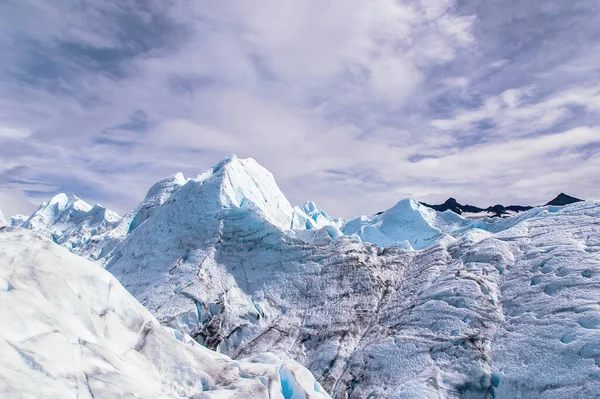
{"x": 68, "y": 329}
{"x": 408, "y": 225}
{"x": 100, "y": 247}
{"x": 2, "y": 219}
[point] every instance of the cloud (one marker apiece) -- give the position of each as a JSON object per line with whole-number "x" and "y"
{"x": 482, "y": 161}
{"x": 13, "y": 133}
{"x": 353, "y": 104}
{"x": 512, "y": 112}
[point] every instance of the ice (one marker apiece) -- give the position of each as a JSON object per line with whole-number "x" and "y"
{"x": 103, "y": 244}
{"x": 69, "y": 329}
{"x": 71, "y": 222}
{"x": 408, "y": 222}
{"x": 17, "y": 220}
{"x": 233, "y": 182}
{"x": 94, "y": 232}
{"x": 408, "y": 303}
{"x": 2, "y": 219}
{"x": 245, "y": 184}
{"x": 319, "y": 217}
{"x": 380, "y": 321}
{"x": 156, "y": 196}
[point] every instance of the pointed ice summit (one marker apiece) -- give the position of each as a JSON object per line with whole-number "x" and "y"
{"x": 235, "y": 192}
{"x": 71, "y": 222}
{"x": 408, "y": 225}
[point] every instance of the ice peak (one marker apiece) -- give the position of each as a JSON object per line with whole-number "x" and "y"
{"x": 226, "y": 161}
{"x": 69, "y": 220}
{"x": 316, "y": 218}
{"x": 166, "y": 185}
{"x": 408, "y": 204}
{"x": 60, "y": 199}
{"x": 179, "y": 177}
{"x": 408, "y": 224}
{"x": 2, "y": 219}
{"x": 244, "y": 183}
{"x": 78, "y": 204}
{"x": 101, "y": 212}
{"x": 309, "y": 207}
{"x": 17, "y": 220}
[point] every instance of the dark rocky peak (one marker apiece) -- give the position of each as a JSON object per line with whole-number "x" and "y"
{"x": 563, "y": 199}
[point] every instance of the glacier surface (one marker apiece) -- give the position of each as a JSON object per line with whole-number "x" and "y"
{"x": 409, "y": 303}
{"x": 70, "y": 330}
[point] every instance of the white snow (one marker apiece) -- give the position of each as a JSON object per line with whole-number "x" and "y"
{"x": 68, "y": 329}
{"x": 2, "y": 219}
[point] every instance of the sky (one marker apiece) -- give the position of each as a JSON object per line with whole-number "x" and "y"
{"x": 353, "y": 104}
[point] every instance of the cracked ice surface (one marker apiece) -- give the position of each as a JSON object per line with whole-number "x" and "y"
{"x": 68, "y": 329}
{"x": 489, "y": 308}
{"x": 502, "y": 309}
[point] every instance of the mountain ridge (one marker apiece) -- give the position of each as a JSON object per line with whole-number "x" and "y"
{"x": 498, "y": 210}
{"x": 238, "y": 187}
{"x": 563, "y": 199}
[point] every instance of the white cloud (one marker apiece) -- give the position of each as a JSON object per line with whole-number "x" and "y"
{"x": 393, "y": 80}
{"x": 460, "y": 82}
{"x": 13, "y": 133}
{"x": 310, "y": 89}
{"x": 513, "y": 112}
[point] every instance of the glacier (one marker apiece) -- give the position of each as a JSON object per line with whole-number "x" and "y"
{"x": 70, "y": 222}
{"x": 408, "y": 303}
{"x": 408, "y": 225}
{"x": 17, "y": 220}
{"x": 70, "y": 330}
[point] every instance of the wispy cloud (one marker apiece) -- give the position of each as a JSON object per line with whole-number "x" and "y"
{"x": 398, "y": 97}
